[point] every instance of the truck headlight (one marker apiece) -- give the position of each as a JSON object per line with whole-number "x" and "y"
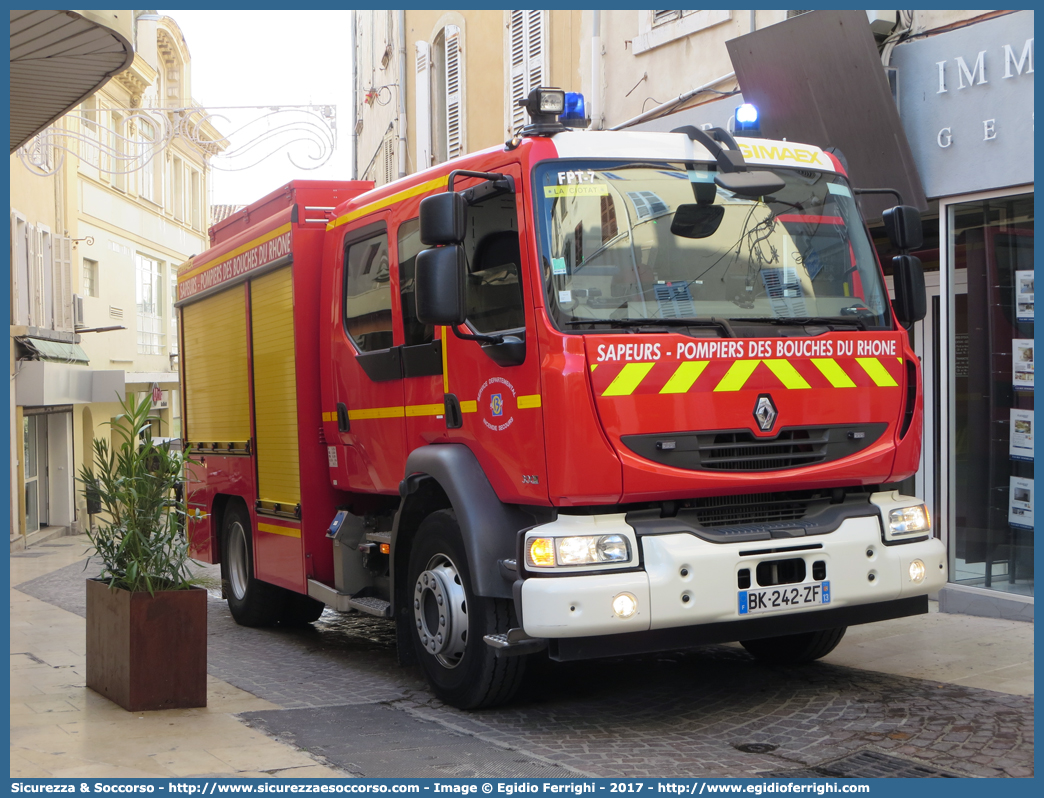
{"x": 577, "y": 550}
{"x": 907, "y": 521}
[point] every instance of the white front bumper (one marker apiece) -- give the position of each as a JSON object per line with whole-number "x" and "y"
{"x": 581, "y": 606}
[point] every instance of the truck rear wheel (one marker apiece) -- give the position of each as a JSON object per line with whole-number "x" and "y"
{"x": 450, "y": 621}
{"x": 795, "y": 649}
{"x": 251, "y": 601}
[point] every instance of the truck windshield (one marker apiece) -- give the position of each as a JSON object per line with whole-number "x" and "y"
{"x": 627, "y": 242}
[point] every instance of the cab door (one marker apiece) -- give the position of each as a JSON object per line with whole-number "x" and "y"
{"x": 491, "y": 392}
{"x": 367, "y": 367}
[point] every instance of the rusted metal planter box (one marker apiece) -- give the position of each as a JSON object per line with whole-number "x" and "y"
{"x": 147, "y": 652}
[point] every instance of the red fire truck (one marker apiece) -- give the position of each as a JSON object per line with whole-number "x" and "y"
{"x": 588, "y": 393}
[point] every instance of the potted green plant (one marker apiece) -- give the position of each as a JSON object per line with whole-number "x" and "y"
{"x": 146, "y": 612}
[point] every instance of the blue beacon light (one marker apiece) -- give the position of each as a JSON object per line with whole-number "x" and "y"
{"x": 747, "y": 119}
{"x": 574, "y": 114}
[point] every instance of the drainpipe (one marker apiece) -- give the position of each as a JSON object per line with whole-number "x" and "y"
{"x": 753, "y": 21}
{"x": 595, "y": 105}
{"x": 402, "y": 93}
{"x": 353, "y": 119}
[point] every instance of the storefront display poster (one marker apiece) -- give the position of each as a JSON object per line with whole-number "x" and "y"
{"x": 1022, "y": 367}
{"x": 1020, "y": 503}
{"x": 1020, "y": 440}
{"x": 1024, "y": 295}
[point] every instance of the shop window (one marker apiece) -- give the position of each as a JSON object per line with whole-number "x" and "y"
{"x": 992, "y": 240}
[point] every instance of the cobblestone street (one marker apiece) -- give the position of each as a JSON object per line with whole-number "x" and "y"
{"x": 712, "y": 712}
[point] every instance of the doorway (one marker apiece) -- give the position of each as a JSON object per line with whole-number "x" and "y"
{"x": 34, "y": 438}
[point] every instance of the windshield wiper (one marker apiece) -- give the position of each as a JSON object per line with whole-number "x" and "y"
{"x": 722, "y": 324}
{"x": 800, "y": 321}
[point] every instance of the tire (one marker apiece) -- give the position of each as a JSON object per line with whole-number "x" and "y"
{"x": 251, "y": 601}
{"x": 795, "y": 649}
{"x": 462, "y": 670}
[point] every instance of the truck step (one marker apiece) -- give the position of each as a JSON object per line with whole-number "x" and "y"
{"x": 515, "y": 643}
{"x": 371, "y": 606}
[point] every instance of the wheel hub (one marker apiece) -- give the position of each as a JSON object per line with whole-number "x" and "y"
{"x": 238, "y": 568}
{"x": 440, "y": 611}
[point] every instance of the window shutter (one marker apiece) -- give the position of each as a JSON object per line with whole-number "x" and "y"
{"x": 423, "y": 106}
{"x": 454, "y": 94}
{"x": 517, "y": 42}
{"x": 527, "y": 42}
{"x": 35, "y": 277}
{"x": 535, "y": 49}
{"x": 63, "y": 293}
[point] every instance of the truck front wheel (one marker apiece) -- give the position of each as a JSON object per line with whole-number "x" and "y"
{"x": 795, "y": 649}
{"x": 450, "y": 621}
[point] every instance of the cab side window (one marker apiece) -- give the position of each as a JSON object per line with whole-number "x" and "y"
{"x": 409, "y": 245}
{"x": 367, "y": 293}
{"x": 494, "y": 288}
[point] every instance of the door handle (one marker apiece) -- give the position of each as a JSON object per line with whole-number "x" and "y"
{"x": 343, "y": 424}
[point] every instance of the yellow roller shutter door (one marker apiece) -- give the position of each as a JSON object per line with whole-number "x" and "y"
{"x": 215, "y": 366}
{"x": 275, "y": 388}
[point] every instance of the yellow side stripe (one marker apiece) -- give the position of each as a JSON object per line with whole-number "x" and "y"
{"x": 737, "y": 375}
{"x": 684, "y": 376}
{"x": 833, "y": 372}
{"x": 423, "y": 188}
{"x": 424, "y": 410}
{"x": 629, "y": 378}
{"x": 528, "y": 401}
{"x": 285, "y": 531}
{"x": 786, "y": 373}
{"x": 202, "y": 267}
{"x": 469, "y": 407}
{"x": 376, "y": 412}
{"x": 878, "y": 373}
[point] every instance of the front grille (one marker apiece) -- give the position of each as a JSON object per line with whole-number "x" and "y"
{"x": 759, "y": 508}
{"x": 741, "y": 451}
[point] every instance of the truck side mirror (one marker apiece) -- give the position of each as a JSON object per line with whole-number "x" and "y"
{"x": 911, "y": 304}
{"x": 443, "y": 219}
{"x": 441, "y": 284}
{"x": 903, "y": 226}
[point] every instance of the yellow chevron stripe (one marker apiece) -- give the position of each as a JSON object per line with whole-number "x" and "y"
{"x": 629, "y": 378}
{"x": 423, "y": 188}
{"x": 786, "y": 373}
{"x": 525, "y": 402}
{"x": 376, "y": 412}
{"x": 833, "y": 372}
{"x": 684, "y": 376}
{"x": 878, "y": 373}
{"x": 594, "y": 366}
{"x": 285, "y": 531}
{"x": 737, "y": 375}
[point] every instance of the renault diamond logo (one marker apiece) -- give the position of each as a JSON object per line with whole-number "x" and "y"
{"x": 765, "y": 412}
